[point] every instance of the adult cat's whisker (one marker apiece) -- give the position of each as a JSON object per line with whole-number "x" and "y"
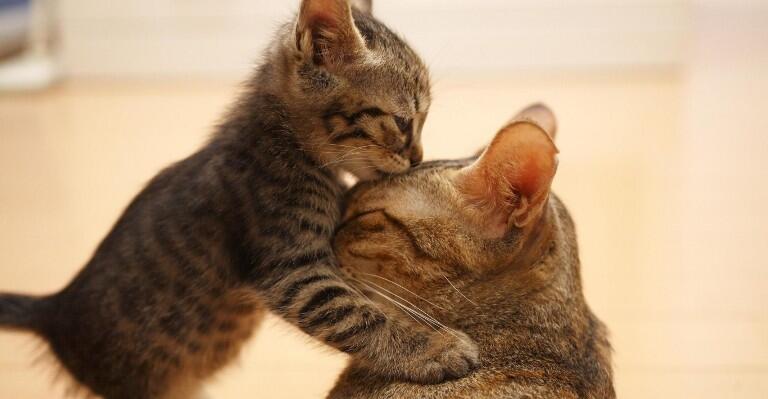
{"x": 399, "y": 297}
{"x": 363, "y": 294}
{"x": 457, "y": 290}
{"x": 405, "y": 289}
{"x": 405, "y": 309}
{"x": 415, "y": 308}
{"x": 419, "y": 318}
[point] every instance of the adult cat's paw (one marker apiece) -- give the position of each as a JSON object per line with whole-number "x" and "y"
{"x": 450, "y": 355}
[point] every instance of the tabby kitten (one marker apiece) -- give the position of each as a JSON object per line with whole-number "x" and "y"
{"x": 245, "y": 225}
{"x": 491, "y": 253}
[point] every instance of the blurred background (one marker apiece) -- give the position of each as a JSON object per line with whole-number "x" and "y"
{"x": 663, "y": 108}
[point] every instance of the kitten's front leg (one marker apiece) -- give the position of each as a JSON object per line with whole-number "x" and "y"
{"x": 323, "y": 305}
{"x": 421, "y": 355}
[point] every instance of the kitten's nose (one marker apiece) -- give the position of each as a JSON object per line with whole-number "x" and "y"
{"x": 416, "y": 155}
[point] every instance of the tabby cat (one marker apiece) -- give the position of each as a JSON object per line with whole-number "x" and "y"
{"x": 245, "y": 224}
{"x": 489, "y": 251}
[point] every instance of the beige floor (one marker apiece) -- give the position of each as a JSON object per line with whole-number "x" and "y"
{"x": 664, "y": 174}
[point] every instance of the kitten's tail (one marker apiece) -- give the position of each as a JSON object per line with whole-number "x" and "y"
{"x": 18, "y": 312}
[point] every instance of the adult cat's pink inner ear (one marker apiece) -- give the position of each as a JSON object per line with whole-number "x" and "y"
{"x": 511, "y": 180}
{"x": 326, "y": 32}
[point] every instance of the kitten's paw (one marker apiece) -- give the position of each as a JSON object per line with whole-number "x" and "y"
{"x": 450, "y": 356}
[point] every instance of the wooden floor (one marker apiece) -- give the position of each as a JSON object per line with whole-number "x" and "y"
{"x": 664, "y": 172}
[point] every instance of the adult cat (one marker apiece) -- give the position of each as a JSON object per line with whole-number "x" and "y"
{"x": 245, "y": 225}
{"x": 490, "y": 252}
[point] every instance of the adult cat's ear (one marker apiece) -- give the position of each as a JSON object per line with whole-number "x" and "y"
{"x": 537, "y": 113}
{"x": 540, "y": 115}
{"x": 326, "y": 33}
{"x": 510, "y": 182}
{"x": 365, "y": 6}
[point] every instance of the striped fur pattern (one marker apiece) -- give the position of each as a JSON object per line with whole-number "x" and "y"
{"x": 244, "y": 226}
{"x": 424, "y": 243}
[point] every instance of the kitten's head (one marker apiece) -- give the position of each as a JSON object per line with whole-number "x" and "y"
{"x": 362, "y": 92}
{"x": 450, "y": 218}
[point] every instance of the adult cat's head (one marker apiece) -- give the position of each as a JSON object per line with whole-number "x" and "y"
{"x": 473, "y": 216}
{"x": 356, "y": 91}
{"x": 482, "y": 246}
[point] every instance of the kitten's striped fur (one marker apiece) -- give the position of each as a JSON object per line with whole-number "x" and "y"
{"x": 429, "y": 238}
{"x": 244, "y": 225}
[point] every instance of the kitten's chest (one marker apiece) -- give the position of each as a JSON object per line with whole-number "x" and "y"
{"x": 281, "y": 195}
{"x": 304, "y": 200}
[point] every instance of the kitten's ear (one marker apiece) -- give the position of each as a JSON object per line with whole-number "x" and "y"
{"x": 326, "y": 33}
{"x": 365, "y": 6}
{"x": 510, "y": 182}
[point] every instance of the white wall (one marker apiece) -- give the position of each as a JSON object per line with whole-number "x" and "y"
{"x": 723, "y": 159}
{"x": 163, "y": 38}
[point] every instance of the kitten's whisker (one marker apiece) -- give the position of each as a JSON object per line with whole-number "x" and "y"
{"x": 405, "y": 289}
{"x": 342, "y": 159}
{"x": 457, "y": 290}
{"x": 353, "y": 146}
{"x": 356, "y": 149}
{"x": 345, "y": 156}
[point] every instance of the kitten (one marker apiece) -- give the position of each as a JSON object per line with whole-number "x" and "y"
{"x": 245, "y": 225}
{"x": 489, "y": 251}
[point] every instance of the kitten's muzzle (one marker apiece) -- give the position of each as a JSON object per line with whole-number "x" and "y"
{"x": 411, "y": 151}
{"x": 416, "y": 155}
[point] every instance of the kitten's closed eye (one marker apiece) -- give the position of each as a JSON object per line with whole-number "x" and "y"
{"x": 405, "y": 125}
